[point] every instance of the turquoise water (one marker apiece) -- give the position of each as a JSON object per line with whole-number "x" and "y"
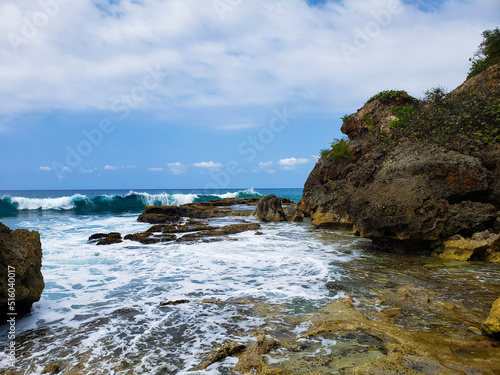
{"x": 15, "y": 204}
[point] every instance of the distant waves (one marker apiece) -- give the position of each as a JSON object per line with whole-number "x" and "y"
{"x": 80, "y": 204}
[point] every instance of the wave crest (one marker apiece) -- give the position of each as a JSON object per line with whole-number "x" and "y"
{"x": 132, "y": 202}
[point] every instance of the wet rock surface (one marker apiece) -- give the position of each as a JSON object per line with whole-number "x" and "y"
{"x": 202, "y": 210}
{"x": 189, "y": 232}
{"x": 106, "y": 238}
{"x": 491, "y": 326}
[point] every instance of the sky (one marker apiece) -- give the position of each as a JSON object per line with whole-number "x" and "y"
{"x": 171, "y": 94}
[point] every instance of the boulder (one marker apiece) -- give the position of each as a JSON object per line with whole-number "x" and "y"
{"x": 491, "y": 325}
{"x": 468, "y": 217}
{"x": 105, "y": 238}
{"x": 293, "y": 212}
{"x": 269, "y": 209}
{"x": 20, "y": 254}
{"x": 401, "y": 209}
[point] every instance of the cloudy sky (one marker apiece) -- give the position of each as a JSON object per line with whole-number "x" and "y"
{"x": 208, "y": 93}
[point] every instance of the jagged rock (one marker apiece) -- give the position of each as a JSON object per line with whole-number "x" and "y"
{"x": 491, "y": 325}
{"x": 403, "y": 194}
{"x": 293, "y": 213}
{"x": 269, "y": 209}
{"x": 251, "y": 360}
{"x": 402, "y": 209}
{"x": 482, "y": 245}
{"x": 148, "y": 237}
{"x": 174, "y": 303}
{"x": 218, "y": 234}
{"x": 227, "y": 350}
{"x": 468, "y": 217}
{"x": 454, "y": 176}
{"x": 106, "y": 238}
{"x": 53, "y": 368}
{"x": 202, "y": 210}
{"x": 21, "y": 254}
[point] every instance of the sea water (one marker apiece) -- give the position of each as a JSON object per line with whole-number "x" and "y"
{"x": 100, "y": 310}
{"x": 100, "y": 305}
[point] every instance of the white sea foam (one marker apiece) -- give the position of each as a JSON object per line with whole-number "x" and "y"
{"x": 87, "y": 284}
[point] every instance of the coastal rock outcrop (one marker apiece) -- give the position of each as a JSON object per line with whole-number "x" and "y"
{"x": 20, "y": 255}
{"x": 408, "y": 193}
{"x": 269, "y": 209}
{"x": 201, "y": 210}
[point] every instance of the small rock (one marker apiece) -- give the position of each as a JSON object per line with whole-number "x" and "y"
{"x": 106, "y": 239}
{"x": 53, "y": 368}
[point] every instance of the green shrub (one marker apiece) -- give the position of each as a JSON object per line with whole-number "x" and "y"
{"x": 465, "y": 118}
{"x": 392, "y": 96}
{"x": 403, "y": 114}
{"x": 344, "y": 118}
{"x": 487, "y": 54}
{"x": 339, "y": 149}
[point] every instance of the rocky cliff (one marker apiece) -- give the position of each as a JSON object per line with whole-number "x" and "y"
{"x": 412, "y": 186}
{"x": 21, "y": 279}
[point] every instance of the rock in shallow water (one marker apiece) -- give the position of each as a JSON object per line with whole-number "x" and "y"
{"x": 491, "y": 326}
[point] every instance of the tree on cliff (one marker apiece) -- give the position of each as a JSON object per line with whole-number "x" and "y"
{"x": 488, "y": 53}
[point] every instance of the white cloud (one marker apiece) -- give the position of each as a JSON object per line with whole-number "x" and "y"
{"x": 155, "y": 169}
{"x": 110, "y": 167}
{"x": 266, "y": 166}
{"x": 46, "y": 169}
{"x": 176, "y": 168}
{"x": 292, "y": 163}
{"x": 82, "y": 170}
{"x": 209, "y": 165}
{"x": 264, "y": 52}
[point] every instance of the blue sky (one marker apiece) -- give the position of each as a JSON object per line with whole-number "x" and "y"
{"x": 208, "y": 93}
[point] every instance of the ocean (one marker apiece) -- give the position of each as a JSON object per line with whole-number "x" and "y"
{"x": 100, "y": 310}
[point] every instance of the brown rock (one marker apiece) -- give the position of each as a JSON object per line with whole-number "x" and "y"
{"x": 269, "y": 209}
{"x": 21, "y": 255}
{"x": 481, "y": 246}
{"x": 106, "y": 238}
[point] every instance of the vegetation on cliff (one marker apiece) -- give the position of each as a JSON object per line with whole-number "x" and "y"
{"x": 460, "y": 119}
{"x": 339, "y": 149}
{"x": 488, "y": 53}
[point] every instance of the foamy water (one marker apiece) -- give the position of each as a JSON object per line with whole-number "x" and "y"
{"x": 101, "y": 303}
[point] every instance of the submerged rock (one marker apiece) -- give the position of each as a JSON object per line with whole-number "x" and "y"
{"x": 21, "y": 278}
{"x": 491, "y": 325}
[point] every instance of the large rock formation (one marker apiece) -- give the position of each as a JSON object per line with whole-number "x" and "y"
{"x": 20, "y": 255}
{"x": 405, "y": 194}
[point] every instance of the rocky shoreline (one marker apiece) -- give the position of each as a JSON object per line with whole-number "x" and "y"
{"x": 406, "y": 196}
